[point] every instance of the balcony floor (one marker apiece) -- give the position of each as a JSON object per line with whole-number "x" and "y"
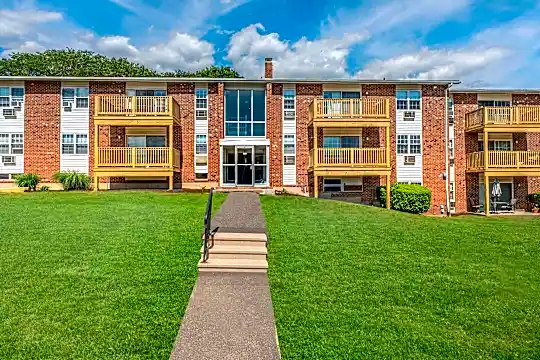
{"x": 350, "y": 171}
{"x": 135, "y": 172}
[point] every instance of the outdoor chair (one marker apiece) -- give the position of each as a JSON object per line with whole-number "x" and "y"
{"x": 474, "y": 208}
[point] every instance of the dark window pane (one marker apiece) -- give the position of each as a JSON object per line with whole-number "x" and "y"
{"x": 350, "y": 95}
{"x": 260, "y": 174}
{"x": 229, "y": 174}
{"x": 259, "y": 104}
{"x": 231, "y": 129}
{"x": 231, "y": 100}
{"x": 244, "y": 129}
{"x": 350, "y": 142}
{"x": 258, "y": 129}
{"x": 245, "y": 105}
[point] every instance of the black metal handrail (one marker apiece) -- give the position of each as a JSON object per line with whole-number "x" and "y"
{"x": 208, "y": 233}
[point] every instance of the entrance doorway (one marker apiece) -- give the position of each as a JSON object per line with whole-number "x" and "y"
{"x": 244, "y": 166}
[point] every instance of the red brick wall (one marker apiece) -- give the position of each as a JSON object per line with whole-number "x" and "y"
{"x": 464, "y": 143}
{"x": 305, "y": 94}
{"x": 521, "y": 190}
{"x": 215, "y": 128}
{"x": 184, "y": 94}
{"x": 372, "y": 137}
{"x": 387, "y": 92}
{"x": 42, "y": 128}
{"x": 101, "y": 88}
{"x": 434, "y": 143}
{"x": 274, "y": 132}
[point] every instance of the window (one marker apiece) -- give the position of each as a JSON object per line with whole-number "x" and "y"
{"x": 409, "y": 144}
{"x": 403, "y": 144}
{"x": 132, "y": 92}
{"x": 496, "y": 145}
{"x": 245, "y": 113}
{"x": 201, "y": 146}
{"x": 502, "y": 103}
{"x": 341, "y": 95}
{"x": 74, "y": 144}
{"x": 146, "y": 141}
{"x": 201, "y": 103}
{"x": 341, "y": 142}
{"x": 289, "y": 104}
{"x": 289, "y": 149}
{"x": 415, "y": 144}
{"x": 332, "y": 185}
{"x": 452, "y": 193}
{"x": 11, "y": 144}
{"x": 201, "y": 176}
{"x": 408, "y": 99}
{"x": 75, "y": 97}
{"x": 343, "y": 185}
{"x": 11, "y": 97}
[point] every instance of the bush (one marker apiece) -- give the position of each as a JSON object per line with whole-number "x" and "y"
{"x": 534, "y": 199}
{"x": 72, "y": 180}
{"x": 409, "y": 198}
{"x": 29, "y": 181}
{"x": 44, "y": 188}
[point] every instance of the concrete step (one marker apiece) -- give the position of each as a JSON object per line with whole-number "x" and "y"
{"x": 233, "y": 265}
{"x": 239, "y": 239}
{"x": 257, "y": 251}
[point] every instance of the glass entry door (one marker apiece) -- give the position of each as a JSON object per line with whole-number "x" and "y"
{"x": 244, "y": 165}
{"x": 244, "y": 168}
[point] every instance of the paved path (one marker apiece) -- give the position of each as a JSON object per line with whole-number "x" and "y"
{"x": 230, "y": 315}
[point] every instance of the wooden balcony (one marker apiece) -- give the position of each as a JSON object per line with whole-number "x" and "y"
{"x": 365, "y": 112}
{"x": 504, "y": 119}
{"x": 123, "y": 110}
{"x": 350, "y": 161}
{"x": 136, "y": 161}
{"x": 507, "y": 163}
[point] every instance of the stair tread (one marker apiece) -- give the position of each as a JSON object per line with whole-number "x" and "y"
{"x": 255, "y": 237}
{"x": 234, "y": 263}
{"x": 238, "y": 249}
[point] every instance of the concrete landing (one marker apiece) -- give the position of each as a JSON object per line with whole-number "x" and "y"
{"x": 240, "y": 213}
{"x": 229, "y": 317}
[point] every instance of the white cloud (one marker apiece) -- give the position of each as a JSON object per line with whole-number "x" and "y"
{"x": 323, "y": 58}
{"x": 17, "y": 23}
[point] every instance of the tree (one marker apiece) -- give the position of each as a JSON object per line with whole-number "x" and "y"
{"x": 82, "y": 63}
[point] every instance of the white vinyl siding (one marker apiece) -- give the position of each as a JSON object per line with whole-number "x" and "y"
{"x": 289, "y": 135}
{"x": 201, "y": 131}
{"x": 409, "y": 132}
{"x": 12, "y": 94}
{"x": 74, "y": 122}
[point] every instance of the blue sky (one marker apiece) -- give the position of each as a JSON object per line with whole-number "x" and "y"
{"x": 484, "y": 43}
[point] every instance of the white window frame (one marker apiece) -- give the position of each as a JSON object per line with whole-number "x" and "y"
{"x": 13, "y": 101}
{"x": 402, "y": 140}
{"x": 342, "y": 185}
{"x": 415, "y": 140}
{"x": 201, "y": 112}
{"x": 12, "y": 139}
{"x": 409, "y": 100}
{"x": 201, "y": 154}
{"x": 406, "y": 140}
{"x": 251, "y": 122}
{"x": 288, "y": 140}
{"x": 67, "y": 100}
{"x": 289, "y": 113}
{"x": 76, "y": 144}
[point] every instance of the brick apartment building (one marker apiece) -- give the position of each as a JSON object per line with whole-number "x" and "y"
{"x": 326, "y": 138}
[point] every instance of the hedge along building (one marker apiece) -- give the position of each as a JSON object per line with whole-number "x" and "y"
{"x": 326, "y": 138}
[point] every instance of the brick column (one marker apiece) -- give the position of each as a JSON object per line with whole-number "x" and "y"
{"x": 386, "y": 92}
{"x": 216, "y": 109}
{"x": 434, "y": 144}
{"x": 305, "y": 94}
{"x": 466, "y": 186}
{"x": 274, "y": 131}
{"x": 42, "y": 128}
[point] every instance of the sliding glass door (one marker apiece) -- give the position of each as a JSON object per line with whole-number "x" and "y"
{"x": 244, "y": 165}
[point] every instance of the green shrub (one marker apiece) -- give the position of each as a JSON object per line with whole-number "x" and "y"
{"x": 409, "y": 198}
{"x": 534, "y": 199}
{"x": 44, "y": 188}
{"x": 29, "y": 181}
{"x": 72, "y": 180}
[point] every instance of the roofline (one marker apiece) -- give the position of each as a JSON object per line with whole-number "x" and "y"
{"x": 495, "y": 91}
{"x": 226, "y": 80}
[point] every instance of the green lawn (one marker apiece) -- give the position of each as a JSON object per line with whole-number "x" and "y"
{"x": 96, "y": 275}
{"x": 352, "y": 282}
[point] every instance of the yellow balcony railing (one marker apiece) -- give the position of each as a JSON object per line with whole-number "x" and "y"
{"x": 144, "y": 106}
{"x": 136, "y": 157}
{"x": 365, "y": 108}
{"x": 349, "y": 157}
{"x": 503, "y": 160}
{"x": 503, "y": 116}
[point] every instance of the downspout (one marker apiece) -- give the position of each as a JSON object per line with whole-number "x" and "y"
{"x": 446, "y": 137}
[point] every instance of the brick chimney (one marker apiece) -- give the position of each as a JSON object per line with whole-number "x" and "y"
{"x": 268, "y": 68}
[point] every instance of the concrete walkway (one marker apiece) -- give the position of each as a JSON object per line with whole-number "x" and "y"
{"x": 230, "y": 315}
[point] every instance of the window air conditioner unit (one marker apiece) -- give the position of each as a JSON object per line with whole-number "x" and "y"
{"x": 410, "y": 160}
{"x": 409, "y": 116}
{"x": 8, "y": 160}
{"x": 8, "y": 112}
{"x": 17, "y": 105}
{"x": 67, "y": 105}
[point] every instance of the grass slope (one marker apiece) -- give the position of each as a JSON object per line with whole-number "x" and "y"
{"x": 96, "y": 276}
{"x": 352, "y": 282}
